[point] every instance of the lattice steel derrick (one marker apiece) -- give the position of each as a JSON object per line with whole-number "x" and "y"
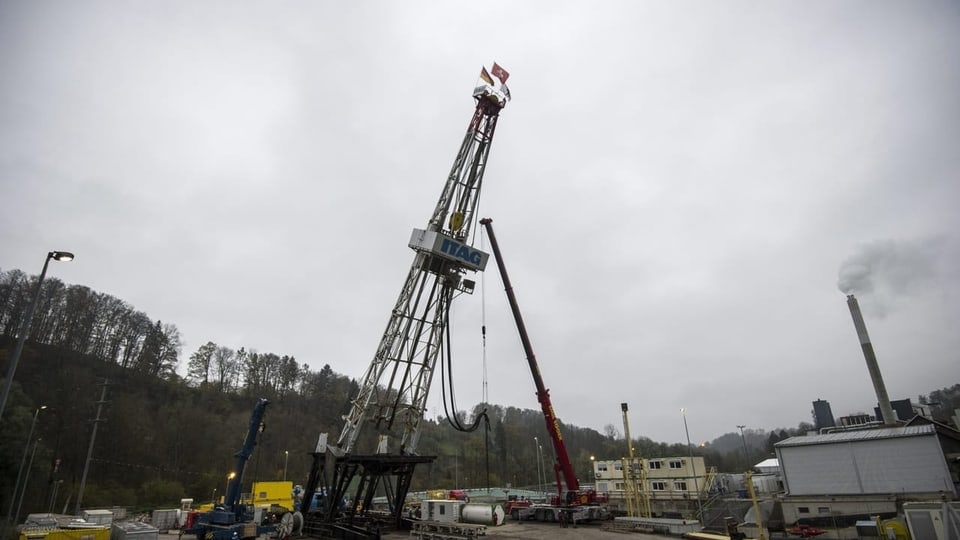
{"x": 462, "y": 190}
{"x": 394, "y": 389}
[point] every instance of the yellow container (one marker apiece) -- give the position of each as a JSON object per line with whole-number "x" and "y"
{"x": 266, "y": 494}
{"x": 98, "y": 533}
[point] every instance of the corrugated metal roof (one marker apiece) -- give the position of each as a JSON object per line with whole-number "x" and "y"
{"x": 858, "y": 435}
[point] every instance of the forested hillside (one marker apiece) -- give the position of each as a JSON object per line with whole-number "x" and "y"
{"x": 162, "y": 437}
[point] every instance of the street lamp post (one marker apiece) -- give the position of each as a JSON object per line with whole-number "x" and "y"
{"x": 26, "y": 480}
{"x": 693, "y": 466}
{"x": 543, "y": 471}
{"x": 25, "y": 326}
{"x": 286, "y": 459}
{"x": 536, "y": 454}
{"x": 593, "y": 472}
{"x": 53, "y": 496}
{"x": 226, "y": 490}
{"x": 744, "y": 440}
{"x": 23, "y": 461}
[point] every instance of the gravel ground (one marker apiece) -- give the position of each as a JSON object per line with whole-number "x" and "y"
{"x": 532, "y": 530}
{"x": 525, "y": 530}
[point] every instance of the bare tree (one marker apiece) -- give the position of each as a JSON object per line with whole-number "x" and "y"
{"x": 160, "y": 351}
{"x": 49, "y": 307}
{"x": 224, "y": 365}
{"x": 14, "y": 297}
{"x": 198, "y": 369}
{"x": 132, "y": 333}
{"x": 288, "y": 375}
{"x": 237, "y": 374}
{"x": 77, "y": 319}
{"x": 170, "y": 347}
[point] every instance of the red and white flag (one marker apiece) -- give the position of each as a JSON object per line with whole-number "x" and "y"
{"x": 500, "y": 73}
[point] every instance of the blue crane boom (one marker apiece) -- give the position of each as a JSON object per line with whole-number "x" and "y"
{"x": 249, "y": 442}
{"x": 232, "y": 519}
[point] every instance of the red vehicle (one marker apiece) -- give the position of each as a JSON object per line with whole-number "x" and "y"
{"x": 578, "y": 504}
{"x": 805, "y": 531}
{"x": 458, "y": 495}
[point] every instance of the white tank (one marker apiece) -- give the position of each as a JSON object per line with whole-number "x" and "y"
{"x": 482, "y": 514}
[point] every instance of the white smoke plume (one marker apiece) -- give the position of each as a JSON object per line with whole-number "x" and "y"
{"x": 891, "y": 267}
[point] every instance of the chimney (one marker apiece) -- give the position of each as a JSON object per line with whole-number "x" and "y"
{"x": 886, "y": 410}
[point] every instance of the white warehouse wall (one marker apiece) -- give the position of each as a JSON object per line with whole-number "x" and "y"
{"x": 911, "y": 464}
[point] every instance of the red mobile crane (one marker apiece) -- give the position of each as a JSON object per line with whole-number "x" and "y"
{"x": 576, "y": 503}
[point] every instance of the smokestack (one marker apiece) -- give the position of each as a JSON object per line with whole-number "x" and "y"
{"x": 886, "y": 410}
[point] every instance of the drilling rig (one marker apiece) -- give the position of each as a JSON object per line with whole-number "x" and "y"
{"x": 376, "y": 451}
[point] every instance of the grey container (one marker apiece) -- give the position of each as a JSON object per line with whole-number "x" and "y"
{"x": 164, "y": 520}
{"x": 100, "y": 517}
{"x": 133, "y": 530}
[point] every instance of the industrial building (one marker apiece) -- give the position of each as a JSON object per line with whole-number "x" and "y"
{"x": 822, "y": 415}
{"x": 904, "y": 409}
{"x": 863, "y": 472}
{"x": 663, "y": 481}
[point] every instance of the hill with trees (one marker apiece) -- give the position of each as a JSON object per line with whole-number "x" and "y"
{"x": 162, "y": 437}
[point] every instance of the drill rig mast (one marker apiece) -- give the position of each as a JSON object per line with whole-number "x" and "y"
{"x": 393, "y": 391}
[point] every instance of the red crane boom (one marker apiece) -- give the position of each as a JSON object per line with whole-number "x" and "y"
{"x": 562, "y": 465}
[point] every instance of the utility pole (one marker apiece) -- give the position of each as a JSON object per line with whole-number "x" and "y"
{"x": 744, "y": 440}
{"x": 93, "y": 438}
{"x": 26, "y": 478}
{"x": 696, "y": 485}
{"x": 16, "y": 487}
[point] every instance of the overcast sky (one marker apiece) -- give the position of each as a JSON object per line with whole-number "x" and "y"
{"x": 675, "y": 188}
